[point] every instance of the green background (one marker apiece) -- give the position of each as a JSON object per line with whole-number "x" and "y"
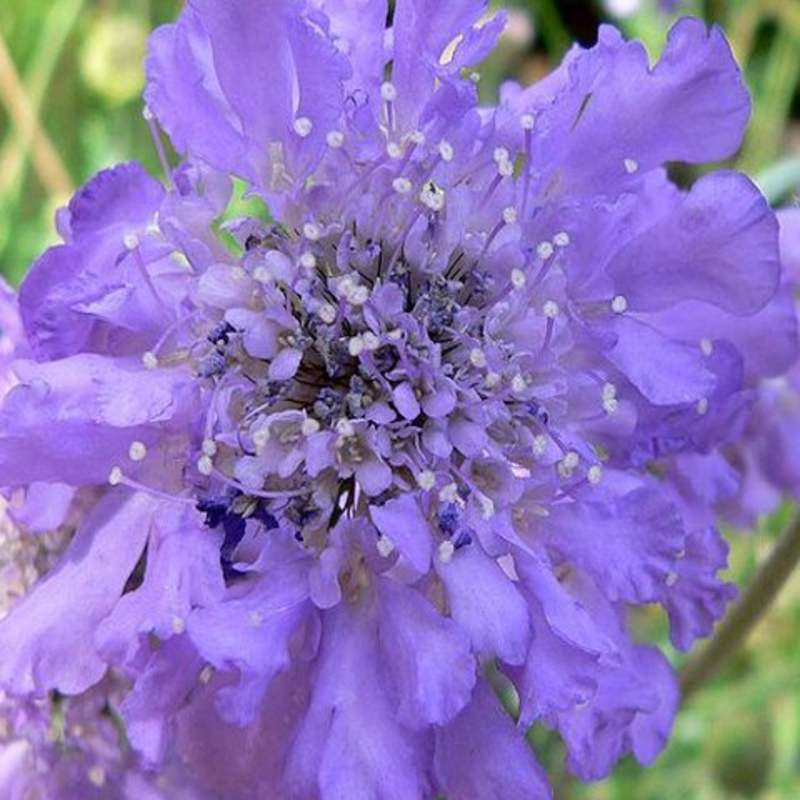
{"x": 70, "y": 84}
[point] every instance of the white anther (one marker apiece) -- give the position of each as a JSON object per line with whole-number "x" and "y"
{"x": 562, "y": 239}
{"x": 475, "y": 77}
{"x": 417, "y": 137}
{"x": 505, "y": 169}
{"x": 518, "y": 278}
{"x": 446, "y": 150}
{"x": 571, "y": 459}
{"x": 308, "y": 261}
{"x": 550, "y": 309}
{"x": 370, "y": 340}
{"x": 312, "y": 231}
{"x": 137, "y": 451}
{"x": 492, "y": 380}
{"x": 150, "y": 360}
{"x": 355, "y": 346}
{"x": 426, "y": 480}
{"x": 206, "y": 674}
{"x": 500, "y": 155}
{"x": 394, "y": 151}
{"x": 262, "y": 275}
{"x": 256, "y": 619}
{"x": 205, "y": 466}
{"x": 344, "y": 427}
{"x": 595, "y": 474}
{"x": 631, "y": 166}
{"x": 510, "y": 215}
{"x": 131, "y": 241}
{"x": 432, "y": 198}
{"x": 358, "y": 296}
{"x": 477, "y": 357}
{"x": 610, "y": 405}
{"x": 334, "y": 139}
{"x": 178, "y": 625}
{"x": 672, "y": 579}
{"x": 527, "y": 122}
{"x": 402, "y": 185}
{"x": 388, "y": 92}
{"x": 147, "y": 114}
{"x": 702, "y": 406}
{"x": 619, "y": 305}
{"x": 446, "y": 551}
{"x": 303, "y": 127}
{"x": 706, "y": 347}
{"x": 115, "y": 476}
{"x": 544, "y": 250}
{"x": 327, "y": 313}
{"x": 97, "y": 776}
{"x": 487, "y": 506}
{"x": 310, "y": 426}
{"x": 609, "y": 391}
{"x": 209, "y": 447}
{"x": 448, "y": 493}
{"x": 540, "y": 443}
{"x": 519, "y": 384}
{"x": 385, "y": 546}
{"x": 395, "y": 335}
{"x": 238, "y": 274}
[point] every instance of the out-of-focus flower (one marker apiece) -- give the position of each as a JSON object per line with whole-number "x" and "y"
{"x": 451, "y": 407}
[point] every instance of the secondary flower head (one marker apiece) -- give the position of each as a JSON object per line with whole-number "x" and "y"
{"x": 431, "y": 416}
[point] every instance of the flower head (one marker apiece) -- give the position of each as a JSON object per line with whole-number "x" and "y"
{"x": 434, "y": 413}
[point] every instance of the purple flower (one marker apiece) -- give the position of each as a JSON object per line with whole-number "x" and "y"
{"x": 437, "y": 414}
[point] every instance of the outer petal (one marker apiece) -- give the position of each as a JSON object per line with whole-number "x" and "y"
{"x": 719, "y": 245}
{"x": 47, "y": 640}
{"x": 486, "y": 604}
{"x": 483, "y": 755}
{"x": 428, "y": 655}
{"x": 402, "y": 521}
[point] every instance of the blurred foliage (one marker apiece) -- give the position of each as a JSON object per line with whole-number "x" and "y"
{"x": 70, "y": 83}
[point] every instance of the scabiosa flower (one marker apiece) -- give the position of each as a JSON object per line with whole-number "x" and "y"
{"x": 429, "y": 421}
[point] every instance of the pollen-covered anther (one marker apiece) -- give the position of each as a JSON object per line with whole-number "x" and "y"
{"x": 540, "y": 443}
{"x": 385, "y": 546}
{"x": 312, "y": 231}
{"x": 518, "y": 279}
{"x": 594, "y": 474}
{"x": 619, "y": 305}
{"x": 131, "y": 241}
{"x": 402, "y": 185}
{"x": 510, "y": 215}
{"x": 551, "y": 309}
{"x": 702, "y": 406}
{"x": 487, "y": 506}
{"x": 178, "y": 625}
{"x": 448, "y": 493}
{"x": 394, "y": 151}
{"x": 150, "y": 360}
{"x": 567, "y": 464}
{"x": 137, "y": 451}
{"x": 426, "y": 480}
{"x": 671, "y": 579}
{"x": 519, "y": 384}
{"x": 432, "y": 197}
{"x": 334, "y": 139}
{"x": 303, "y": 127}
{"x": 205, "y": 465}
{"x": 327, "y": 313}
{"x": 209, "y": 447}
{"x": 417, "y": 137}
{"x": 115, "y": 477}
{"x": 527, "y": 122}
{"x": 477, "y": 358}
{"x": 388, "y": 92}
{"x": 239, "y": 274}
{"x": 631, "y": 166}
{"x": 446, "y": 151}
{"x": 262, "y": 275}
{"x": 544, "y": 250}
{"x": 706, "y": 347}
{"x": 345, "y": 428}
{"x": 446, "y": 551}
{"x": 355, "y": 346}
{"x": 308, "y": 260}
{"x": 562, "y": 239}
{"x": 492, "y": 380}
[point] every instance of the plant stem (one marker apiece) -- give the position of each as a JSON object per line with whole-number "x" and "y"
{"x": 754, "y": 603}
